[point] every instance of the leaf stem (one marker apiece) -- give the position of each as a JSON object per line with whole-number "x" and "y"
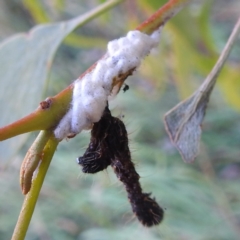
{"x": 32, "y": 196}
{"x": 212, "y": 77}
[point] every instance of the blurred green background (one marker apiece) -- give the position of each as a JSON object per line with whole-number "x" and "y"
{"x": 202, "y": 199}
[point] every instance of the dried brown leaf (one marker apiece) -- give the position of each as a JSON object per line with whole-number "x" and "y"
{"x": 183, "y": 122}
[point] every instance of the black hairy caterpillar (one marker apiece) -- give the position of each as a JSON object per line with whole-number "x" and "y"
{"x": 97, "y": 156}
{"x": 109, "y": 145}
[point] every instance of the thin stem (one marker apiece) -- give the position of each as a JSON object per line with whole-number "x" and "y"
{"x": 212, "y": 77}
{"x": 32, "y": 196}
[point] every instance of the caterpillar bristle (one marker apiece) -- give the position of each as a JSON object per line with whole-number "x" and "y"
{"x": 93, "y": 164}
{"x": 146, "y": 209}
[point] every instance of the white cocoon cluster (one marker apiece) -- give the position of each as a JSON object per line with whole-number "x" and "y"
{"x": 90, "y": 93}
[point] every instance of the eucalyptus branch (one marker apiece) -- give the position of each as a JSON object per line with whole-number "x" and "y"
{"x": 51, "y": 111}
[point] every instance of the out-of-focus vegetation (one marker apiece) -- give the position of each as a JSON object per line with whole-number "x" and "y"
{"x": 202, "y": 200}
